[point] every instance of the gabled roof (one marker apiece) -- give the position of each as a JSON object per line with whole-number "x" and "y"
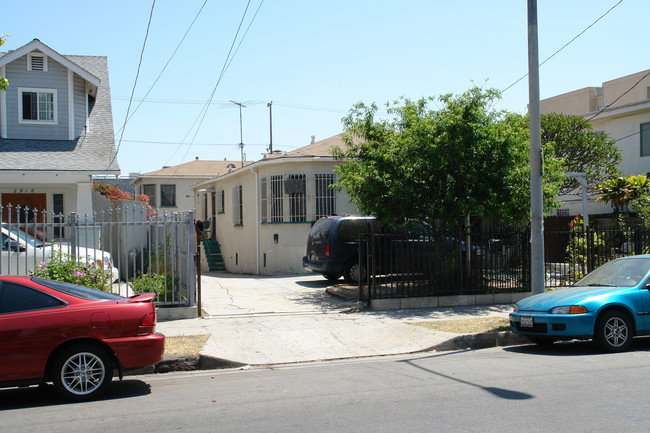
{"x": 92, "y": 151}
{"x": 197, "y": 168}
{"x": 319, "y": 149}
{"x": 37, "y": 45}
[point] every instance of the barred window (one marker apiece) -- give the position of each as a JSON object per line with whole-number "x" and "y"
{"x": 238, "y": 206}
{"x": 295, "y": 187}
{"x": 264, "y": 200}
{"x": 324, "y": 195}
{"x": 277, "y": 199}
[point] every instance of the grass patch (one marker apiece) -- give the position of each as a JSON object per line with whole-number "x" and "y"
{"x": 467, "y": 326}
{"x": 185, "y": 344}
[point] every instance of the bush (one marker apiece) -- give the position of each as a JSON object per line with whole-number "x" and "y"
{"x": 71, "y": 269}
{"x": 160, "y": 284}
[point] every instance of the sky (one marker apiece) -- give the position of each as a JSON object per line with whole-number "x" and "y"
{"x": 313, "y": 60}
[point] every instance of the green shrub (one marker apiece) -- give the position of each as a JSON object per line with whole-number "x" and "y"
{"x": 160, "y": 284}
{"x": 70, "y": 269}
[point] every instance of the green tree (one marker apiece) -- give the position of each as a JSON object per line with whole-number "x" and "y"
{"x": 621, "y": 191}
{"x": 458, "y": 160}
{"x": 582, "y": 149}
{"x": 3, "y": 81}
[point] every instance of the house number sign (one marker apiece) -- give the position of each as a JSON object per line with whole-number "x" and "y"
{"x": 23, "y": 190}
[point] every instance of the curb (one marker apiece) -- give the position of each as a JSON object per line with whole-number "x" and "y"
{"x": 172, "y": 363}
{"x": 481, "y": 341}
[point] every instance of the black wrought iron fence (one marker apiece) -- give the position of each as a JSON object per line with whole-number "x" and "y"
{"x": 571, "y": 254}
{"x": 452, "y": 262}
{"x": 443, "y": 262}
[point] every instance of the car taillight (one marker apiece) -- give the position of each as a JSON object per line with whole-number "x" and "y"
{"x": 147, "y": 324}
{"x": 149, "y": 320}
{"x": 327, "y": 251}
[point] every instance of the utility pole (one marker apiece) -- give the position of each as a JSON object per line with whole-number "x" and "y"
{"x": 270, "y": 127}
{"x": 241, "y": 131}
{"x": 537, "y": 272}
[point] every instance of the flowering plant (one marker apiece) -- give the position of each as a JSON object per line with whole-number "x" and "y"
{"x": 70, "y": 269}
{"x": 114, "y": 194}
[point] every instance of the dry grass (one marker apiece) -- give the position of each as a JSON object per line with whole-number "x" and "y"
{"x": 467, "y": 326}
{"x": 185, "y": 345}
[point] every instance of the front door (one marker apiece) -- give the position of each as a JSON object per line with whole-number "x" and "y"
{"x": 24, "y": 201}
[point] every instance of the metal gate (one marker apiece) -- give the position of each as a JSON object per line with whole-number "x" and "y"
{"x": 142, "y": 249}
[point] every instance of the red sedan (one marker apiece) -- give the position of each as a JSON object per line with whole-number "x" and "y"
{"x": 72, "y": 336}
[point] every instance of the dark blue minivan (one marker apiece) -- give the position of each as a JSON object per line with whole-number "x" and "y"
{"x": 333, "y": 247}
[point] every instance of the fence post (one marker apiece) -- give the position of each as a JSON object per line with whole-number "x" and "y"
{"x": 72, "y": 226}
{"x": 193, "y": 261}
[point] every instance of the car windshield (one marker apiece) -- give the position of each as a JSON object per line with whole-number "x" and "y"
{"x": 78, "y": 291}
{"x": 622, "y": 273}
{"x": 23, "y": 236}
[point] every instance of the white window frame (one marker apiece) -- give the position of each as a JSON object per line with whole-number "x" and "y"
{"x": 55, "y": 118}
{"x": 29, "y": 61}
{"x": 238, "y": 206}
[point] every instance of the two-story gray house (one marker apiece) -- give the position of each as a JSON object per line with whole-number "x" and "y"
{"x": 56, "y": 129}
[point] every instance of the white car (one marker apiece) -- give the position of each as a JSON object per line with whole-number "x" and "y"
{"x": 21, "y": 252}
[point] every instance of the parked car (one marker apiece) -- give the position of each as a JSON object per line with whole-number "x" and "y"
{"x": 609, "y": 305}
{"x": 73, "y": 336}
{"x": 22, "y": 252}
{"x": 333, "y": 247}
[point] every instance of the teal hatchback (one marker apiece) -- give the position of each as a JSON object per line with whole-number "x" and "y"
{"x": 610, "y": 305}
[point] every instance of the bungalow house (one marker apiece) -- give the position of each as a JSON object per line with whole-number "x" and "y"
{"x": 621, "y": 108}
{"x": 56, "y": 129}
{"x": 170, "y": 188}
{"x": 262, "y": 213}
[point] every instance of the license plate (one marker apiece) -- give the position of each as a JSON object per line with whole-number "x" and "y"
{"x": 526, "y": 322}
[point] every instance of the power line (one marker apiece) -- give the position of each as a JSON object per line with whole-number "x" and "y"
{"x": 204, "y": 110}
{"x": 622, "y": 94}
{"x": 229, "y": 60}
{"x": 135, "y": 83}
{"x": 175, "y": 143}
{"x": 566, "y": 45}
{"x": 164, "y": 67}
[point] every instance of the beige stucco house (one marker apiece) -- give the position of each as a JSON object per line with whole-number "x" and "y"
{"x": 170, "y": 188}
{"x": 621, "y": 108}
{"x": 263, "y": 212}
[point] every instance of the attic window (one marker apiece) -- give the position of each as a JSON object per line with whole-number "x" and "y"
{"x": 37, "y": 106}
{"x": 36, "y": 62}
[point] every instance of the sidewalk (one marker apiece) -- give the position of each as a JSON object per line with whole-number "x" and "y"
{"x": 254, "y": 320}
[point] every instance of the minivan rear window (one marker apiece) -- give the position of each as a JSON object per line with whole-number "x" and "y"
{"x": 349, "y": 230}
{"x": 321, "y": 229}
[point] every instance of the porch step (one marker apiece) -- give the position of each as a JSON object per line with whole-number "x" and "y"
{"x": 213, "y": 256}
